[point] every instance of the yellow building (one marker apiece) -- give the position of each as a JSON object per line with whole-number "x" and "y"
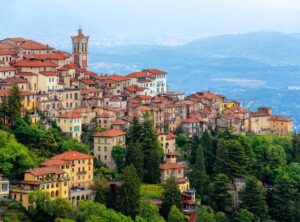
{"x": 53, "y": 180}
{"x": 104, "y": 143}
{"x": 68, "y": 175}
{"x": 170, "y": 167}
{"x": 228, "y": 104}
{"x": 281, "y": 125}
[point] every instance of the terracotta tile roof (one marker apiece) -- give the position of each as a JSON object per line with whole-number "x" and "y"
{"x": 280, "y": 118}
{"x": 140, "y": 74}
{"x": 83, "y": 110}
{"x": 115, "y": 99}
{"x": 5, "y": 46}
{"x": 155, "y": 71}
{"x": 49, "y": 73}
{"x": 67, "y": 67}
{"x": 33, "y": 45}
{"x": 34, "y": 63}
{"x": 104, "y": 115}
{"x": 167, "y": 166}
{"x": 118, "y": 122}
{"x": 170, "y": 136}
{"x": 7, "y": 52}
{"x": 9, "y": 68}
{"x": 88, "y": 81}
{"x": 72, "y": 155}
{"x": 144, "y": 97}
{"x": 134, "y": 88}
{"x": 45, "y": 171}
{"x": 30, "y": 182}
{"x": 4, "y": 93}
{"x": 16, "y": 39}
{"x": 259, "y": 114}
{"x": 111, "y": 133}
{"x": 116, "y": 78}
{"x": 53, "y": 56}
{"x": 53, "y": 162}
{"x": 13, "y": 80}
{"x": 69, "y": 115}
{"x": 26, "y": 74}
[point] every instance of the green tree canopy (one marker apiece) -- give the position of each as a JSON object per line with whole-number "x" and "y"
{"x": 14, "y": 157}
{"x": 128, "y": 199}
{"x": 170, "y": 197}
{"x": 175, "y": 215}
{"x": 119, "y": 156}
{"x": 149, "y": 211}
{"x": 254, "y": 199}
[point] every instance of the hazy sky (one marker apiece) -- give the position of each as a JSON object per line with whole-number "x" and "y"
{"x": 144, "y": 21}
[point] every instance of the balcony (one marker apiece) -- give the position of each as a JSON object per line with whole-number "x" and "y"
{"x": 81, "y": 172}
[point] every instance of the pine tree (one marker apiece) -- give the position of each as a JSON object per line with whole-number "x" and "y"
{"x": 254, "y": 199}
{"x": 222, "y": 197}
{"x": 135, "y": 156}
{"x": 134, "y": 133}
{"x": 198, "y": 177}
{"x": 152, "y": 152}
{"x": 237, "y": 159}
{"x": 170, "y": 197}
{"x": 281, "y": 201}
{"x": 128, "y": 199}
{"x": 208, "y": 150}
{"x": 220, "y": 165}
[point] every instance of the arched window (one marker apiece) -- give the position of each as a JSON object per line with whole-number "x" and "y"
{"x": 52, "y": 193}
{"x": 56, "y": 193}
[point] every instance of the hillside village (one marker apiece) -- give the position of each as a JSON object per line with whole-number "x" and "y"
{"x": 58, "y": 86}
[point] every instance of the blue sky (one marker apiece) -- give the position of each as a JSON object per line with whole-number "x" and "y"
{"x": 140, "y": 21}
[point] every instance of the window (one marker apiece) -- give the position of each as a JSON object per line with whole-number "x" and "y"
{"x": 105, "y": 157}
{"x": 105, "y": 148}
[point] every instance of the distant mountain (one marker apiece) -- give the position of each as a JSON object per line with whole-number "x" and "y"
{"x": 255, "y": 68}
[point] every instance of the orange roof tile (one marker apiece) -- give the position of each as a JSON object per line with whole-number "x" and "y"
{"x": 280, "y": 118}
{"x": 34, "y": 63}
{"x": 33, "y": 45}
{"x": 116, "y": 78}
{"x": 118, "y": 122}
{"x": 111, "y": 133}
{"x": 69, "y": 115}
{"x": 156, "y": 71}
{"x": 49, "y": 73}
{"x": 45, "y": 171}
{"x": 72, "y": 155}
{"x": 26, "y": 74}
{"x": 9, "y": 68}
{"x": 7, "y": 52}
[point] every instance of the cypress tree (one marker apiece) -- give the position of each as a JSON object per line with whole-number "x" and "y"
{"x": 152, "y": 152}
{"x": 135, "y": 156}
{"x": 198, "y": 177}
{"x": 208, "y": 150}
{"x": 128, "y": 199}
{"x": 170, "y": 197}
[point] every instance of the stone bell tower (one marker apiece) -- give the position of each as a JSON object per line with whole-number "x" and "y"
{"x": 80, "y": 49}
